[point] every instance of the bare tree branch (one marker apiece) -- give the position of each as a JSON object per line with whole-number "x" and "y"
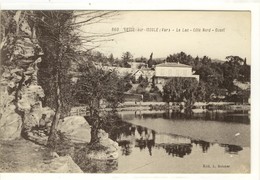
{"x": 84, "y": 14}
{"x": 104, "y": 14}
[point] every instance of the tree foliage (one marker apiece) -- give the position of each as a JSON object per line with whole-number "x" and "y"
{"x": 95, "y": 85}
{"x": 150, "y": 62}
{"x": 59, "y": 43}
{"x": 126, "y": 58}
{"x": 186, "y": 90}
{"x": 217, "y": 76}
{"x": 60, "y": 36}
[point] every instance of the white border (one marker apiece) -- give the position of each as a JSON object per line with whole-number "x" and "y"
{"x": 130, "y": 4}
{"x": 251, "y": 5}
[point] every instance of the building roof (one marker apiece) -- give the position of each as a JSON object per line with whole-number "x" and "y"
{"x": 173, "y": 65}
{"x": 144, "y": 71}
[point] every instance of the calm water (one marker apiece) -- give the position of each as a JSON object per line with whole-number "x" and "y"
{"x": 160, "y": 142}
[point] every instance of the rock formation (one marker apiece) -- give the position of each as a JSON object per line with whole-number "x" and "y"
{"x": 75, "y": 128}
{"x": 20, "y": 103}
{"x": 108, "y": 150}
{"x": 63, "y": 164}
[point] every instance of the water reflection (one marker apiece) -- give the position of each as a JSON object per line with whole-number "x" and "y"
{"x": 133, "y": 136}
{"x": 178, "y": 150}
{"x": 231, "y": 149}
{"x": 203, "y": 144}
{"x": 138, "y": 143}
{"x": 125, "y": 147}
{"x": 144, "y": 138}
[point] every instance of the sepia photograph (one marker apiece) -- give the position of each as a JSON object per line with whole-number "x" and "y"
{"x": 165, "y": 92}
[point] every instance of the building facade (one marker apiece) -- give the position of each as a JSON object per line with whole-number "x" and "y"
{"x": 165, "y": 71}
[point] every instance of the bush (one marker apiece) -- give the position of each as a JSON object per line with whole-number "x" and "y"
{"x": 157, "y": 97}
{"x": 140, "y": 89}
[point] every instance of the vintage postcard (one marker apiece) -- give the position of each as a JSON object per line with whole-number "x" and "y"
{"x": 161, "y": 92}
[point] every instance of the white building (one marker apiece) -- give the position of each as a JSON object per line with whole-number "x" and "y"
{"x": 165, "y": 71}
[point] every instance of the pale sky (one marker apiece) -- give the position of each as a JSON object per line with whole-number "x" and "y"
{"x": 235, "y": 40}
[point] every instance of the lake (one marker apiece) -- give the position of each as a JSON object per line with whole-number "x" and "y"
{"x": 168, "y": 142}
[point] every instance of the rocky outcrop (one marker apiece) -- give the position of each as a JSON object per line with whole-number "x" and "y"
{"x": 11, "y": 121}
{"x": 107, "y": 148}
{"x": 37, "y": 137}
{"x": 75, "y": 128}
{"x": 20, "y": 103}
{"x": 63, "y": 164}
{"x": 10, "y": 124}
{"x": 20, "y": 99}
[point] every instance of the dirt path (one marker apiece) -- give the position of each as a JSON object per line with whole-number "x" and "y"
{"x": 21, "y": 156}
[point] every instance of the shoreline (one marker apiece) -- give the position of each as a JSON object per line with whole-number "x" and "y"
{"x": 162, "y": 106}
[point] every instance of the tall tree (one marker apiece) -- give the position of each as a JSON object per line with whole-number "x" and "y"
{"x": 231, "y": 70}
{"x": 59, "y": 42}
{"x": 150, "y": 61}
{"x": 126, "y": 58}
{"x": 60, "y": 35}
{"x": 96, "y": 85}
{"x": 111, "y": 59}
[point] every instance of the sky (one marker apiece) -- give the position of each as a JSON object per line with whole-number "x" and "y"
{"x": 232, "y": 36}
